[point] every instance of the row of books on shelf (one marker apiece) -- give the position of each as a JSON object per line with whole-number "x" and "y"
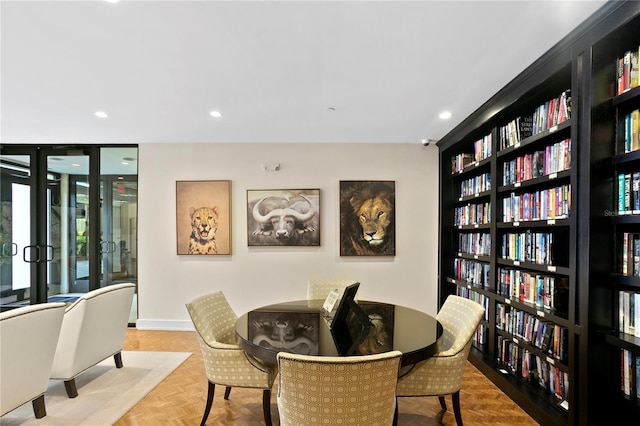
{"x": 461, "y": 161}
{"x": 528, "y": 246}
{"x": 474, "y": 243}
{"x": 550, "y": 338}
{"x": 552, "y": 159}
{"x": 539, "y": 290}
{"x": 472, "y": 214}
{"x": 544, "y": 117}
{"x": 482, "y": 148}
{"x": 630, "y": 373}
{"x": 481, "y": 151}
{"x": 544, "y": 204}
{"x": 629, "y": 312}
{"x": 472, "y": 272}
{"x": 629, "y": 193}
{"x": 630, "y": 255}
{"x": 521, "y": 362}
{"x": 475, "y": 185}
{"x": 631, "y": 131}
{"x": 470, "y": 294}
{"x": 627, "y": 71}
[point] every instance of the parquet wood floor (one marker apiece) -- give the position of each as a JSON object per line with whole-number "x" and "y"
{"x": 180, "y": 398}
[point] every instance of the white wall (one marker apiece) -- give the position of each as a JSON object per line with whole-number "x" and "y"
{"x": 256, "y": 276}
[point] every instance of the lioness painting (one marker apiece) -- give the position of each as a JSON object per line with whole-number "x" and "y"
{"x": 367, "y": 218}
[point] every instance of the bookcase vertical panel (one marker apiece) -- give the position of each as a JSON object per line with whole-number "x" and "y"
{"x": 556, "y": 232}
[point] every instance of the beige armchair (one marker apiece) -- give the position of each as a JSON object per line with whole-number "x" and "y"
{"x": 28, "y": 338}
{"x": 354, "y": 390}
{"x": 442, "y": 374}
{"x": 93, "y": 329}
{"x": 225, "y": 363}
{"x": 320, "y": 289}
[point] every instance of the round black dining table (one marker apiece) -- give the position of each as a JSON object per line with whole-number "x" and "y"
{"x": 302, "y": 326}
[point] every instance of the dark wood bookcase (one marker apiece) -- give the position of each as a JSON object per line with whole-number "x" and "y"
{"x": 542, "y": 250}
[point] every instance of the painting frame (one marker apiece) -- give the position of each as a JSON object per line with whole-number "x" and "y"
{"x": 291, "y": 331}
{"x": 283, "y": 217}
{"x": 367, "y": 218}
{"x": 195, "y": 233}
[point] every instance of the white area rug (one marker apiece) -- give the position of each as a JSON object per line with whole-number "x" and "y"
{"x": 105, "y": 393}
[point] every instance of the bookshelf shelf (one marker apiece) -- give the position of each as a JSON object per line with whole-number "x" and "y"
{"x": 584, "y": 232}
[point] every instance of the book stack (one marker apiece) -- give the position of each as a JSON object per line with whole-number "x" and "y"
{"x": 629, "y": 193}
{"x": 630, "y": 373}
{"x": 482, "y": 148}
{"x": 627, "y": 71}
{"x": 475, "y": 185}
{"x": 472, "y": 272}
{"x": 629, "y": 313}
{"x": 475, "y": 243}
{"x": 631, "y": 133}
{"x": 630, "y": 255}
{"x": 460, "y": 161}
{"x": 546, "y": 204}
{"x": 539, "y": 290}
{"x": 552, "y": 159}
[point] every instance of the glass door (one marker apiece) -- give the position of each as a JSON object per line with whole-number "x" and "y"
{"x": 68, "y": 221}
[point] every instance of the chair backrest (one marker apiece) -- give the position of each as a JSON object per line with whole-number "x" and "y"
{"x": 29, "y": 337}
{"x": 93, "y": 329}
{"x": 459, "y": 318}
{"x": 355, "y": 390}
{"x": 320, "y": 288}
{"x": 213, "y": 318}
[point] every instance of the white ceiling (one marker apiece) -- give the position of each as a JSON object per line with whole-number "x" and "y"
{"x": 273, "y": 68}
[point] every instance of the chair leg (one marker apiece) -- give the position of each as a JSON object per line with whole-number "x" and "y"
{"x": 456, "y": 407}
{"x": 395, "y": 414}
{"x": 210, "y": 391}
{"x": 70, "y": 387}
{"x": 227, "y": 392}
{"x": 443, "y": 403}
{"x": 266, "y": 406}
{"x": 118, "y": 359}
{"x": 39, "y": 409}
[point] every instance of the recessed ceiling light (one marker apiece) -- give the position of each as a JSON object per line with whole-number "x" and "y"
{"x": 215, "y": 114}
{"x": 101, "y": 114}
{"x": 125, "y": 163}
{"x": 112, "y": 1}
{"x": 445, "y": 115}
{"x": 75, "y": 164}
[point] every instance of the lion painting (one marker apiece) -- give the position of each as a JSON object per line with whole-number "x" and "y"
{"x": 204, "y": 224}
{"x": 367, "y": 225}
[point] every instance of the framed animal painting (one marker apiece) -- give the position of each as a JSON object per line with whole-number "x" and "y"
{"x": 283, "y": 217}
{"x": 367, "y": 218}
{"x": 203, "y": 217}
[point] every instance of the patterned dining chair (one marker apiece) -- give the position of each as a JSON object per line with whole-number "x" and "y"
{"x": 320, "y": 288}
{"x": 352, "y": 390}
{"x": 226, "y": 364}
{"x": 442, "y": 374}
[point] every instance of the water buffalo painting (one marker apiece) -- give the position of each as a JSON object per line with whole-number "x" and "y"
{"x": 283, "y": 217}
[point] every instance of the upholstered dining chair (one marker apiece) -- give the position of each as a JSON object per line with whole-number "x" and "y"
{"x": 352, "y": 390}
{"x": 93, "y": 329}
{"x": 320, "y": 288}
{"x": 225, "y": 362}
{"x": 442, "y": 374}
{"x": 28, "y": 342}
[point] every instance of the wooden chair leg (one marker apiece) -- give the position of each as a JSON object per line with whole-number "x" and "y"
{"x": 443, "y": 403}
{"x": 227, "y": 392}
{"x": 118, "y": 359}
{"x": 39, "y": 409}
{"x": 210, "y": 391}
{"x": 70, "y": 387}
{"x": 266, "y": 406}
{"x": 456, "y": 407}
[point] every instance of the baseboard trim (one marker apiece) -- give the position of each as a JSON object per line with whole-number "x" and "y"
{"x": 168, "y": 325}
